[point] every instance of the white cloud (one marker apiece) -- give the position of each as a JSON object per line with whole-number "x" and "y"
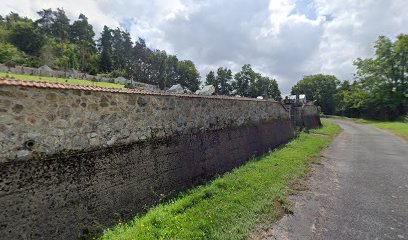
{"x": 286, "y": 39}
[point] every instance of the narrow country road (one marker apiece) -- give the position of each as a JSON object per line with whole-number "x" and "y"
{"x": 359, "y": 191}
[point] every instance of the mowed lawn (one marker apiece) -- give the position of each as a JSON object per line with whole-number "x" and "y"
{"x": 59, "y": 80}
{"x": 235, "y": 204}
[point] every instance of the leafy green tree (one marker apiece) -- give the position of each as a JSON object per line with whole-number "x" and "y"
{"x": 26, "y": 37}
{"x": 267, "y": 88}
{"x": 68, "y": 58}
{"x": 13, "y": 17}
{"x": 243, "y": 80}
{"x": 381, "y": 82}
{"x": 320, "y": 88}
{"x": 9, "y": 53}
{"x": 224, "y": 79}
{"x": 188, "y": 75}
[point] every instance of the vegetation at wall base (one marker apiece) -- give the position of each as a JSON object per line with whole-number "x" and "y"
{"x": 59, "y": 80}
{"x": 232, "y": 205}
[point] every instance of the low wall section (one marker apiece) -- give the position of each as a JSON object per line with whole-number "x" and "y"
{"x": 75, "y": 160}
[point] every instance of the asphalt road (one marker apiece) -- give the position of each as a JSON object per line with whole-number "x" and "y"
{"x": 359, "y": 191}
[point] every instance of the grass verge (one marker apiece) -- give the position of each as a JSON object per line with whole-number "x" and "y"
{"x": 231, "y": 206}
{"x": 399, "y": 127}
{"x": 59, "y": 80}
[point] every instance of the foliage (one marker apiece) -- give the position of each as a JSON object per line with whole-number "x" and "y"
{"x": 379, "y": 90}
{"x": 188, "y": 75}
{"x": 105, "y": 48}
{"x": 10, "y": 54}
{"x": 267, "y": 88}
{"x": 82, "y": 34}
{"x": 223, "y": 80}
{"x": 26, "y": 37}
{"x": 381, "y": 87}
{"x": 249, "y": 83}
{"x": 319, "y": 88}
{"x": 243, "y": 80}
{"x": 52, "y": 40}
{"x": 230, "y": 206}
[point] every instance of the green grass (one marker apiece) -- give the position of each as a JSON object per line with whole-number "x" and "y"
{"x": 399, "y": 128}
{"x": 235, "y": 204}
{"x": 59, "y": 80}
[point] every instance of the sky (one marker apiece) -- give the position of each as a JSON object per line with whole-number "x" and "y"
{"x": 283, "y": 39}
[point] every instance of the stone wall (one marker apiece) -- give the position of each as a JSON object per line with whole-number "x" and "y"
{"x": 73, "y": 162}
{"x": 304, "y": 116}
{"x": 310, "y": 116}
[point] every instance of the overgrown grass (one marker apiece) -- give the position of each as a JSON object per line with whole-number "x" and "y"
{"x": 59, "y": 80}
{"x": 232, "y": 205}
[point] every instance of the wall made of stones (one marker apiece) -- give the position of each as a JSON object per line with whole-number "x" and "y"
{"x": 40, "y": 122}
{"x": 310, "y": 116}
{"x": 71, "y": 197}
{"x": 74, "y": 162}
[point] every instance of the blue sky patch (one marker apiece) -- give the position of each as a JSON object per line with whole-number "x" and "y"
{"x": 305, "y": 7}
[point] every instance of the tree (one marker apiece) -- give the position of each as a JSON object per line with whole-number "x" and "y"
{"x": 45, "y": 21}
{"x": 60, "y": 25}
{"x": 82, "y": 34}
{"x": 267, "y": 88}
{"x": 381, "y": 81}
{"x": 26, "y": 37}
{"x": 320, "y": 88}
{"x": 9, "y": 53}
{"x": 141, "y": 55}
{"x": 105, "y": 49}
{"x": 243, "y": 80}
{"x": 224, "y": 79}
{"x": 211, "y": 80}
{"x": 188, "y": 75}
{"x": 13, "y": 17}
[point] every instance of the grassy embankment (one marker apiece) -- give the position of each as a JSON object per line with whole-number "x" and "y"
{"x": 59, "y": 80}
{"x": 399, "y": 127}
{"x": 235, "y": 204}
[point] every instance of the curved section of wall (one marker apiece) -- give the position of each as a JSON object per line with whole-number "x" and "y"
{"x": 75, "y": 162}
